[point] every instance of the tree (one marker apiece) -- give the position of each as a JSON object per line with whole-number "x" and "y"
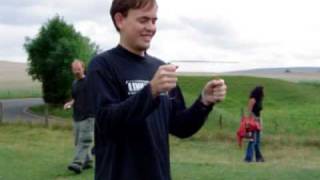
{"x": 50, "y": 54}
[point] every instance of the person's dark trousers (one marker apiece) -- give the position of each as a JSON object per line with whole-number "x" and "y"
{"x": 254, "y": 147}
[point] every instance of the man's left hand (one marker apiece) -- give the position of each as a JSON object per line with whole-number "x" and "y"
{"x": 214, "y": 92}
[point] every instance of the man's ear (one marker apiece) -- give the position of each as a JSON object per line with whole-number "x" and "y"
{"x": 119, "y": 18}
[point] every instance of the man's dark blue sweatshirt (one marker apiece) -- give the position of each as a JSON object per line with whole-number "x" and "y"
{"x": 132, "y": 127}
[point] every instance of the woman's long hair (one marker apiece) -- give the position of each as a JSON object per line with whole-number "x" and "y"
{"x": 257, "y": 93}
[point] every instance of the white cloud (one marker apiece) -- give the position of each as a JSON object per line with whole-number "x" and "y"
{"x": 12, "y": 40}
{"x": 266, "y": 33}
{"x": 103, "y": 34}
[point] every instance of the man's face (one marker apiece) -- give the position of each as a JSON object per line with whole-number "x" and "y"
{"x": 78, "y": 70}
{"x": 138, "y": 28}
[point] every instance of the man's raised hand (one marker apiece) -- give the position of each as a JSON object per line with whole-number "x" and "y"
{"x": 164, "y": 79}
{"x": 213, "y": 92}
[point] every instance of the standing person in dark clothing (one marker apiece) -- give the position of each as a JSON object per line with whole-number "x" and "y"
{"x": 137, "y": 101}
{"x": 255, "y": 108}
{"x": 83, "y": 119}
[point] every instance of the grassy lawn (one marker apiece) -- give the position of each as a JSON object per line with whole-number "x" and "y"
{"x": 290, "y": 139}
{"x": 57, "y": 111}
{"x": 31, "y": 153}
{"x": 223, "y": 160}
{"x": 289, "y": 108}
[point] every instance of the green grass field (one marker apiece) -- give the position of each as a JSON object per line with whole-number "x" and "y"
{"x": 53, "y": 110}
{"x": 36, "y": 153}
{"x": 290, "y": 139}
{"x": 32, "y": 153}
{"x": 9, "y": 93}
{"x": 289, "y": 108}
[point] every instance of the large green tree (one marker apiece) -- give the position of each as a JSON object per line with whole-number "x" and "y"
{"x": 50, "y": 54}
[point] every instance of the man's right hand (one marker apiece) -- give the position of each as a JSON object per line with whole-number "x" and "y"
{"x": 68, "y": 105}
{"x": 164, "y": 79}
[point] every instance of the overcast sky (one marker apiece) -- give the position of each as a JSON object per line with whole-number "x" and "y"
{"x": 253, "y": 33}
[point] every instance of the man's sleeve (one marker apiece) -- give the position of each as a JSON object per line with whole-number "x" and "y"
{"x": 187, "y": 121}
{"x": 111, "y": 110}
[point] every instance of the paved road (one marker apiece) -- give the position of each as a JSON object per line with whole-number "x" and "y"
{"x": 15, "y": 109}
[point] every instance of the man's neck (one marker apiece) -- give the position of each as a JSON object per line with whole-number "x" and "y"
{"x": 134, "y": 51}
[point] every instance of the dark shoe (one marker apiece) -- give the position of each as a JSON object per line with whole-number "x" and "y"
{"x": 87, "y": 165}
{"x": 75, "y": 167}
{"x": 247, "y": 161}
{"x": 260, "y": 159}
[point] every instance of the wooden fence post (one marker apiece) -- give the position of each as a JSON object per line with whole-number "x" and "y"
{"x": 242, "y": 112}
{"x": 220, "y": 121}
{"x": 1, "y": 112}
{"x": 46, "y": 115}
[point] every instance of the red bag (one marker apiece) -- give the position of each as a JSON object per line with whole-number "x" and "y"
{"x": 248, "y": 125}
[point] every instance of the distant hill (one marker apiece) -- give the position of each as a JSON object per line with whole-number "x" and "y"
{"x": 295, "y": 74}
{"x": 12, "y": 72}
{"x": 14, "y": 78}
{"x": 282, "y": 70}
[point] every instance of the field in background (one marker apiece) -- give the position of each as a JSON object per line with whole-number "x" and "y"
{"x": 16, "y": 83}
{"x": 289, "y": 108}
{"x": 291, "y": 142}
{"x": 294, "y": 76}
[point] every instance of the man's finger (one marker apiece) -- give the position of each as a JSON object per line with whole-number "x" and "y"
{"x": 168, "y": 81}
{"x": 168, "y": 74}
{"x": 220, "y": 88}
{"x": 169, "y": 67}
{"x": 219, "y": 96}
{"x": 216, "y": 83}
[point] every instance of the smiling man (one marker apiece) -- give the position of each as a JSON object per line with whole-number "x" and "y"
{"x": 137, "y": 101}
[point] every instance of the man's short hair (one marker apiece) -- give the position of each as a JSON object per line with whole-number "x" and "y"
{"x": 123, "y": 6}
{"x": 77, "y": 61}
